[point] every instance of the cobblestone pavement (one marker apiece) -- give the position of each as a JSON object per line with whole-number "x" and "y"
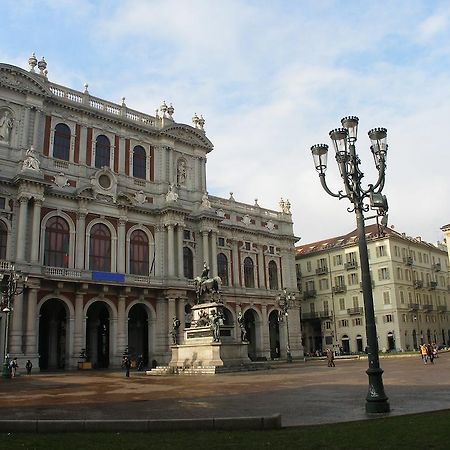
{"x": 304, "y": 393}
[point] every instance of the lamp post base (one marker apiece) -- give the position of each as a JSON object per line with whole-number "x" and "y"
{"x": 376, "y": 400}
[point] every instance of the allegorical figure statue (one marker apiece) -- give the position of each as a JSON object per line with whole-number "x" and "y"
{"x": 6, "y": 124}
{"x": 241, "y": 322}
{"x": 31, "y": 161}
{"x": 181, "y": 172}
{"x": 216, "y": 321}
{"x": 175, "y": 327}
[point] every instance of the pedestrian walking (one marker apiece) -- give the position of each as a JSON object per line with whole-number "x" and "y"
{"x": 126, "y": 364}
{"x": 13, "y": 365}
{"x": 330, "y": 358}
{"x": 423, "y": 352}
{"x": 28, "y": 366}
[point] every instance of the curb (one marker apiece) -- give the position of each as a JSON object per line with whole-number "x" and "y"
{"x": 215, "y": 423}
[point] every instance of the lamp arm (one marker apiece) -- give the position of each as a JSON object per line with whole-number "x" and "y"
{"x": 339, "y": 195}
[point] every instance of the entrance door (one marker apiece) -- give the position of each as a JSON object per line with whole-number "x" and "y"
{"x": 345, "y": 345}
{"x": 138, "y": 333}
{"x": 250, "y": 327}
{"x": 97, "y": 335}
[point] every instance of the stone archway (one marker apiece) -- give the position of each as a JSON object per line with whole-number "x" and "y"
{"x": 53, "y": 339}
{"x": 138, "y": 332}
{"x": 274, "y": 334}
{"x": 250, "y": 319}
{"x": 97, "y": 335}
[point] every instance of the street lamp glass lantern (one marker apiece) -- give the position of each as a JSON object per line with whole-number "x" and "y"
{"x": 350, "y": 123}
{"x": 378, "y": 138}
{"x": 339, "y": 137}
{"x": 320, "y": 153}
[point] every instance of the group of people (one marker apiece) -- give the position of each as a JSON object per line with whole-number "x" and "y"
{"x": 428, "y": 352}
{"x": 13, "y": 365}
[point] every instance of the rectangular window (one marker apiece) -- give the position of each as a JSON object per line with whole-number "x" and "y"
{"x": 380, "y": 251}
{"x": 271, "y": 249}
{"x": 337, "y": 260}
{"x": 383, "y": 273}
{"x": 353, "y": 279}
{"x": 397, "y": 250}
{"x": 342, "y": 304}
{"x": 339, "y": 280}
{"x": 357, "y": 322}
{"x": 399, "y": 273}
{"x": 388, "y": 318}
{"x": 343, "y": 323}
{"x": 402, "y": 297}
{"x": 308, "y": 266}
{"x": 386, "y": 298}
{"x": 247, "y": 246}
{"x": 323, "y": 284}
{"x": 328, "y": 325}
{"x": 2, "y": 202}
{"x": 187, "y": 235}
{"x": 351, "y": 257}
{"x": 221, "y": 242}
{"x": 355, "y": 302}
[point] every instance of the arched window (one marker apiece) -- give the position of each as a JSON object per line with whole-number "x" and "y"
{"x": 249, "y": 273}
{"x": 139, "y": 253}
{"x": 188, "y": 263}
{"x": 3, "y": 239}
{"x": 61, "y": 142}
{"x": 222, "y": 268}
{"x": 102, "y": 152}
{"x": 56, "y": 244}
{"x": 100, "y": 248}
{"x": 273, "y": 275}
{"x": 139, "y": 162}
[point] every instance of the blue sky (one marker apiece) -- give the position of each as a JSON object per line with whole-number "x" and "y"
{"x": 271, "y": 78}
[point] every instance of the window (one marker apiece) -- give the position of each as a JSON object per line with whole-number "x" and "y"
{"x": 386, "y": 298}
{"x": 2, "y": 202}
{"x": 139, "y": 253}
{"x": 352, "y": 278}
{"x": 399, "y": 273}
{"x": 337, "y": 260}
{"x": 56, "y": 244}
{"x": 61, "y": 143}
{"x": 187, "y": 235}
{"x": 357, "y": 322}
{"x": 100, "y": 248}
{"x": 249, "y": 277}
{"x": 383, "y": 273}
{"x": 351, "y": 257}
{"x": 343, "y": 323}
{"x": 322, "y": 263}
{"x": 355, "y": 300}
{"x": 3, "y": 239}
{"x": 380, "y": 251}
{"x": 328, "y": 325}
{"x": 271, "y": 249}
{"x": 139, "y": 162}
{"x": 221, "y": 242}
{"x": 247, "y": 246}
{"x": 273, "y": 275}
{"x": 222, "y": 268}
{"x": 308, "y": 266}
{"x": 188, "y": 263}
{"x": 323, "y": 284}
{"x": 342, "y": 304}
{"x": 325, "y": 306}
{"x": 402, "y": 297}
{"x": 388, "y": 318}
{"x": 397, "y": 250}
{"x": 102, "y": 152}
{"x": 339, "y": 280}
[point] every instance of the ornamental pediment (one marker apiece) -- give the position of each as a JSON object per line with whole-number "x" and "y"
{"x": 188, "y": 135}
{"x": 15, "y": 78}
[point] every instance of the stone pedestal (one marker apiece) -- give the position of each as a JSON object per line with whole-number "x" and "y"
{"x": 201, "y": 352}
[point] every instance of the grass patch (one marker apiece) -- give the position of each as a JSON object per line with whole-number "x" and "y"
{"x": 419, "y": 431}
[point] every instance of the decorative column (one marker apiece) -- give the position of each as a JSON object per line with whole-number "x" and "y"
{"x": 262, "y": 270}
{"x": 21, "y": 228}
{"x": 205, "y": 247}
{"x": 79, "y": 335}
{"x": 180, "y": 232}
{"x": 36, "y": 230}
{"x": 160, "y": 252}
{"x": 16, "y": 328}
{"x": 235, "y": 263}
{"x": 26, "y": 128}
{"x": 80, "y": 239}
{"x": 265, "y": 332}
{"x": 121, "y": 245}
{"x": 36, "y": 130}
{"x": 213, "y": 254}
{"x": 30, "y": 336}
{"x": 170, "y": 251}
{"x": 122, "y": 322}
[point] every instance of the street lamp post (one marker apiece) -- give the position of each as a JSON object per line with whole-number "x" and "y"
{"x": 12, "y": 283}
{"x": 285, "y": 303}
{"x": 348, "y": 163}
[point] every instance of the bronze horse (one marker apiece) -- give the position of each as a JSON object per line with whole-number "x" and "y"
{"x": 209, "y": 285}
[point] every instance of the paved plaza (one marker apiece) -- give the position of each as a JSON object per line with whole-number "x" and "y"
{"x": 303, "y": 392}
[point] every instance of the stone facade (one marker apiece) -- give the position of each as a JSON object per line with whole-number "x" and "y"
{"x": 107, "y": 212}
{"x": 410, "y": 280}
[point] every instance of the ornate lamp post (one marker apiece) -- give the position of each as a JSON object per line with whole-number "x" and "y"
{"x": 285, "y": 303}
{"x": 348, "y": 162}
{"x": 12, "y": 283}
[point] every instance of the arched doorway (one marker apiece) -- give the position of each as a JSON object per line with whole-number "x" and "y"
{"x": 391, "y": 341}
{"x": 345, "y": 344}
{"x": 250, "y": 327}
{"x": 274, "y": 334}
{"x": 97, "y": 335}
{"x": 227, "y": 317}
{"x": 359, "y": 344}
{"x": 53, "y": 335}
{"x": 138, "y": 333}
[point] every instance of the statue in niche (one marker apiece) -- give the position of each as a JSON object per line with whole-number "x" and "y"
{"x": 6, "y": 124}
{"x": 31, "y": 161}
{"x": 205, "y": 202}
{"x": 171, "y": 195}
{"x": 181, "y": 172}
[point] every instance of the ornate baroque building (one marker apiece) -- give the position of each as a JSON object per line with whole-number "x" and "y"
{"x": 106, "y": 211}
{"x": 410, "y": 280}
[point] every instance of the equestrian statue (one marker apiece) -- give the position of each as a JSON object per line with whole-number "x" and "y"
{"x": 205, "y": 285}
